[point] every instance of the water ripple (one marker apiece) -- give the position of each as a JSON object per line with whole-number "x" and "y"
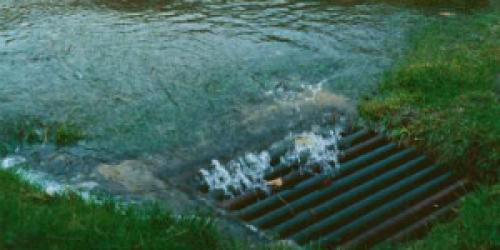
{"x": 148, "y": 75}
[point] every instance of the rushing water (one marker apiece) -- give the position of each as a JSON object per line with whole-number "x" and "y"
{"x": 247, "y": 173}
{"x": 195, "y": 79}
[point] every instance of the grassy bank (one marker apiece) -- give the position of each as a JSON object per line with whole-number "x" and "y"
{"x": 444, "y": 98}
{"x": 31, "y": 219}
{"x": 444, "y": 95}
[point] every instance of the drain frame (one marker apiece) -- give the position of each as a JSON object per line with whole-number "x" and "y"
{"x": 354, "y": 207}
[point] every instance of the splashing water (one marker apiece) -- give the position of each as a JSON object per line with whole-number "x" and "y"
{"x": 247, "y": 173}
{"x": 43, "y": 180}
{"x": 322, "y": 150}
{"x": 243, "y": 173}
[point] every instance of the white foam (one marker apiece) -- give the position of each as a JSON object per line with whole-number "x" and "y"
{"x": 321, "y": 149}
{"x": 43, "y": 180}
{"x": 87, "y": 185}
{"x": 302, "y": 91}
{"x": 12, "y": 161}
{"x": 238, "y": 175}
{"x": 247, "y": 172}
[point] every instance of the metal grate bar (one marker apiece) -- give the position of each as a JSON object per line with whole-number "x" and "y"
{"x": 380, "y": 191}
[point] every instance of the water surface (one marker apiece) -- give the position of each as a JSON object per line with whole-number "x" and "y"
{"x": 194, "y": 79}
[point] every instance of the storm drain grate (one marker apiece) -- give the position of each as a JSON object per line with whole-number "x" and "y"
{"x": 380, "y": 191}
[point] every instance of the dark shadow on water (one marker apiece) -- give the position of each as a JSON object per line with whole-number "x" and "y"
{"x": 159, "y": 5}
{"x": 143, "y": 5}
{"x": 429, "y": 5}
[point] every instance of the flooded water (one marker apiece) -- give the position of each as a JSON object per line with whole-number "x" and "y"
{"x": 190, "y": 80}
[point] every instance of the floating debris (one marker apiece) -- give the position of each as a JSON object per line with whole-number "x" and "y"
{"x": 278, "y": 182}
{"x": 446, "y": 13}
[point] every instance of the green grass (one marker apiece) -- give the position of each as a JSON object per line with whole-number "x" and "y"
{"x": 444, "y": 98}
{"x": 31, "y": 219}
{"x": 444, "y": 95}
{"x": 33, "y": 130}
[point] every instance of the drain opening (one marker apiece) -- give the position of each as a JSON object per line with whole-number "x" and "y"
{"x": 336, "y": 187}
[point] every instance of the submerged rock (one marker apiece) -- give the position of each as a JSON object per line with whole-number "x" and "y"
{"x": 134, "y": 175}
